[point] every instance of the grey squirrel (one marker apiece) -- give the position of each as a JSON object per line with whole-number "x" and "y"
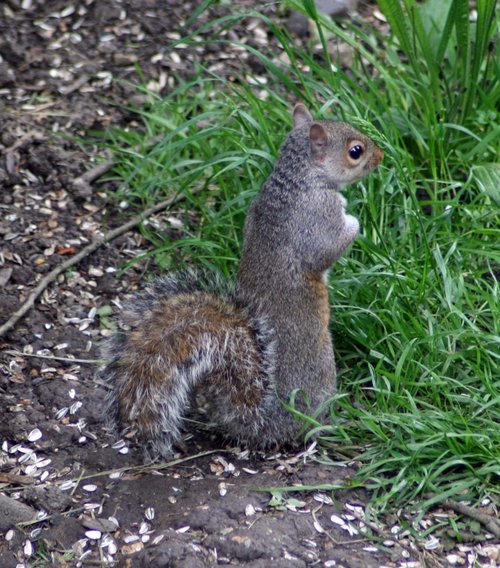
{"x": 246, "y": 349}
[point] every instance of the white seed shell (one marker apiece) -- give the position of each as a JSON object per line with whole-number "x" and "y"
{"x": 318, "y": 527}
{"x": 31, "y": 470}
{"x": 27, "y": 457}
{"x": 114, "y": 520}
{"x": 431, "y": 543}
{"x": 337, "y": 520}
{"x": 183, "y": 529}
{"x": 35, "y": 435}
{"x": 143, "y": 529}
{"x": 60, "y": 414}
{"x": 321, "y": 498}
{"x": 28, "y": 548}
{"x": 75, "y": 407}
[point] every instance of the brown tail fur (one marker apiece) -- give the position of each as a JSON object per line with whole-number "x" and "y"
{"x": 182, "y": 336}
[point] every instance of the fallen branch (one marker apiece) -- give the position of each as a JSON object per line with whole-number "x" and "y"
{"x": 90, "y": 248}
{"x": 491, "y": 523}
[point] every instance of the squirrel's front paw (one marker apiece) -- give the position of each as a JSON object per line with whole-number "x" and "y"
{"x": 351, "y": 225}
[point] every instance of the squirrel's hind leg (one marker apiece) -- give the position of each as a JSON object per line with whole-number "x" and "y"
{"x": 241, "y": 393}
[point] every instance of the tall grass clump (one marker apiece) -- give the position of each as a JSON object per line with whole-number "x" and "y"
{"x": 204, "y": 142}
{"x": 416, "y": 300}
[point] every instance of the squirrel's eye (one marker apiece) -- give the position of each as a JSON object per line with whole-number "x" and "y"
{"x": 356, "y": 151}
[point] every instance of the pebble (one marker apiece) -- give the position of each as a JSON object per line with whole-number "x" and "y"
{"x": 102, "y": 525}
{"x": 298, "y": 23}
{"x": 12, "y": 512}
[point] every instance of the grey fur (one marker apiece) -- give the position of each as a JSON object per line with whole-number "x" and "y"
{"x": 277, "y": 339}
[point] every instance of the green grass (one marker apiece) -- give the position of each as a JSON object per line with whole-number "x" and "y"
{"x": 415, "y": 302}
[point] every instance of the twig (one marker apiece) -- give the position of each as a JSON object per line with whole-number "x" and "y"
{"x": 24, "y": 524}
{"x": 12, "y": 478}
{"x": 81, "y": 184}
{"x": 96, "y": 172}
{"x": 51, "y": 357}
{"x": 68, "y": 89}
{"x": 90, "y": 248}
{"x": 10, "y": 158}
{"x": 147, "y": 468}
{"x": 28, "y": 136}
{"x": 490, "y": 523}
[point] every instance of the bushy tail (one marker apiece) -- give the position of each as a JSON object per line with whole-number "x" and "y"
{"x": 188, "y": 332}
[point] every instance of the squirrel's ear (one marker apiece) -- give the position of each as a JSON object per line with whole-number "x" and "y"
{"x": 301, "y": 115}
{"x": 318, "y": 139}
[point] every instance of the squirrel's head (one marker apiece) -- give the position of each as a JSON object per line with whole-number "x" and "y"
{"x": 340, "y": 153}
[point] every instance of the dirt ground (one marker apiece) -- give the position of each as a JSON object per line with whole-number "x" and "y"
{"x": 82, "y": 497}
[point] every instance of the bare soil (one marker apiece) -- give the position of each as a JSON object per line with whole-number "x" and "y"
{"x": 65, "y": 69}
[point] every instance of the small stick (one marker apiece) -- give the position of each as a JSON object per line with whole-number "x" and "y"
{"x": 145, "y": 468}
{"x": 90, "y": 248}
{"x": 30, "y": 135}
{"x": 51, "y": 357}
{"x": 81, "y": 184}
{"x": 491, "y": 523}
{"x": 68, "y": 89}
{"x": 10, "y": 159}
{"x": 96, "y": 172}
